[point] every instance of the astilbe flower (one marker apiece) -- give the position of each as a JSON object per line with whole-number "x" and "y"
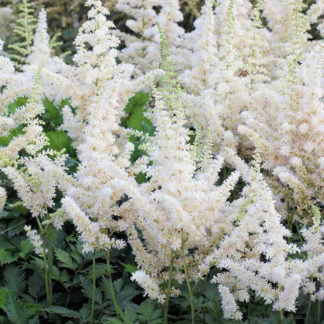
{"x": 255, "y": 253}
{"x": 214, "y": 80}
{"x": 95, "y": 64}
{"x": 56, "y": 81}
{"x": 37, "y": 173}
{"x": 103, "y": 150}
{"x": 313, "y": 269}
{"x": 291, "y": 135}
{"x": 179, "y": 209}
{"x": 3, "y": 198}
{"x": 35, "y": 239}
{"x": 143, "y": 50}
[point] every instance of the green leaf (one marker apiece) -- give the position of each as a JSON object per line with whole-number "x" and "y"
{"x": 52, "y": 115}
{"x": 26, "y": 248}
{"x": 148, "y": 313}
{"x": 129, "y": 316}
{"x": 129, "y": 267}
{"x": 19, "y": 102}
{"x": 14, "y": 278}
{"x": 16, "y": 226}
{"x": 34, "y": 320}
{"x": 87, "y": 290}
{"x": 5, "y": 140}
{"x": 62, "y": 311}
{"x": 6, "y": 243}
{"x": 66, "y": 259}
{"x": 33, "y": 309}
{"x": 35, "y": 285}
{"x": 125, "y": 291}
{"x": 114, "y": 321}
{"x": 4, "y": 294}
{"x": 19, "y": 209}
{"x": 135, "y": 118}
{"x": 4, "y": 214}
{"x": 7, "y": 256}
{"x": 59, "y": 140}
{"x": 16, "y": 311}
{"x": 138, "y": 100}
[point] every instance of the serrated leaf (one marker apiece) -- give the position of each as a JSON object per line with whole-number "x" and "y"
{"x": 85, "y": 311}
{"x": 19, "y": 102}
{"x": 19, "y": 209}
{"x": 4, "y": 295}
{"x": 138, "y": 100}
{"x": 129, "y": 316}
{"x": 4, "y": 214}
{"x": 52, "y": 115}
{"x": 113, "y": 321}
{"x": 16, "y": 226}
{"x": 16, "y": 311}
{"x": 129, "y": 267}
{"x": 34, "y": 320}
{"x": 135, "y": 118}
{"x": 5, "y": 140}
{"x": 14, "y": 279}
{"x": 33, "y": 309}
{"x": 124, "y": 292}
{"x": 35, "y": 285}
{"x": 6, "y": 243}
{"x": 148, "y": 313}
{"x": 59, "y": 140}
{"x": 7, "y": 256}
{"x": 87, "y": 290}
{"x": 26, "y": 248}
{"x": 62, "y": 311}
{"x": 66, "y": 259}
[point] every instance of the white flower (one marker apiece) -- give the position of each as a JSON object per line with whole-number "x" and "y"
{"x": 3, "y": 198}
{"x": 151, "y": 289}
{"x": 35, "y": 239}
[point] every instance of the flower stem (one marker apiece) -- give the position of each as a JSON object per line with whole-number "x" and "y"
{"x": 282, "y": 316}
{"x": 47, "y": 282}
{"x": 93, "y": 285}
{"x": 166, "y": 306}
{"x": 318, "y": 311}
{"x": 50, "y": 267}
{"x": 188, "y": 285}
{"x": 308, "y": 311}
{"x": 111, "y": 287}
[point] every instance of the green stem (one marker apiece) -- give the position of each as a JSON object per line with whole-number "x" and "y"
{"x": 93, "y": 285}
{"x": 298, "y": 232}
{"x": 166, "y": 306}
{"x": 111, "y": 287}
{"x": 318, "y": 312}
{"x": 50, "y": 267}
{"x": 188, "y": 285}
{"x": 290, "y": 221}
{"x": 43, "y": 233}
{"x": 282, "y": 316}
{"x": 308, "y": 311}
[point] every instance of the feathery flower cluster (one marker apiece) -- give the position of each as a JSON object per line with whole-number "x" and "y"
{"x": 3, "y": 198}
{"x": 35, "y": 239}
